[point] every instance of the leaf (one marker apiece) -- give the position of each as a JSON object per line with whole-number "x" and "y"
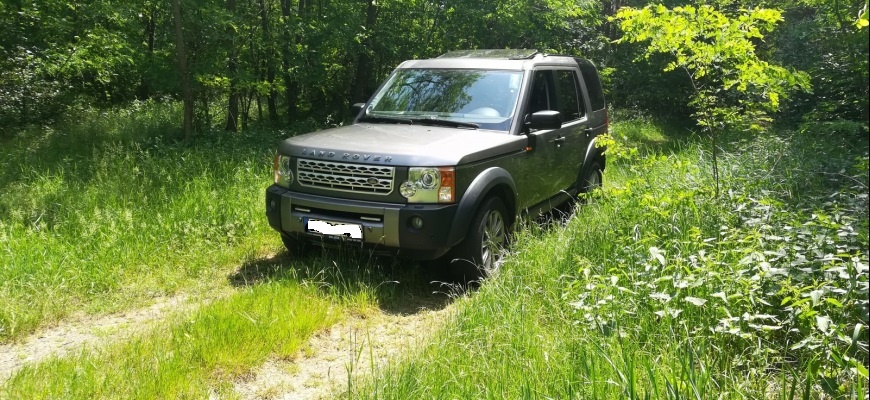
{"x": 656, "y": 253}
{"x": 859, "y": 367}
{"x": 834, "y": 302}
{"x": 664, "y": 297}
{"x": 696, "y": 301}
{"x": 823, "y": 322}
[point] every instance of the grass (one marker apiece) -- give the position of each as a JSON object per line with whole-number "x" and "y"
{"x": 109, "y": 213}
{"x": 657, "y": 289}
{"x": 194, "y": 355}
{"x": 654, "y": 289}
{"x": 106, "y": 212}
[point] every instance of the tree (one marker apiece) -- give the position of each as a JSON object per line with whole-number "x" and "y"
{"x": 187, "y": 92}
{"x": 733, "y": 88}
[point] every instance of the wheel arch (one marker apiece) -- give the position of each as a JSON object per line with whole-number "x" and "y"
{"x": 491, "y": 182}
{"x": 593, "y": 154}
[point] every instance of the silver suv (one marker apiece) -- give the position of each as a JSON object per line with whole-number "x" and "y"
{"x": 444, "y": 158}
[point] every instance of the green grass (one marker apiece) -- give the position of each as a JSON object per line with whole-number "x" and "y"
{"x": 657, "y": 289}
{"x": 193, "y": 355}
{"x": 107, "y": 211}
{"x": 278, "y": 303}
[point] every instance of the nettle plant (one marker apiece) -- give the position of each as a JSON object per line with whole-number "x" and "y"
{"x": 733, "y": 87}
{"x": 782, "y": 289}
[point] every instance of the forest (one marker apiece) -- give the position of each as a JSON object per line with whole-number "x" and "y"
{"x": 236, "y": 63}
{"x": 725, "y": 256}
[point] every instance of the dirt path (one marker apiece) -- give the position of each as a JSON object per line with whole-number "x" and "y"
{"x": 348, "y": 351}
{"x": 84, "y": 332}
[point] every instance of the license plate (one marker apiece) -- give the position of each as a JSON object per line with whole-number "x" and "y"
{"x": 334, "y": 229}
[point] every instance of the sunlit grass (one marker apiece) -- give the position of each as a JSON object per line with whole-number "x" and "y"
{"x": 107, "y": 211}
{"x": 193, "y": 355}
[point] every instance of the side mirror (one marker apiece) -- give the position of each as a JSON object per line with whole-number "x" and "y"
{"x": 547, "y": 119}
{"x": 357, "y": 108}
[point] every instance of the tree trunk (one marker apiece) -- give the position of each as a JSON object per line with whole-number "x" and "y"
{"x": 232, "y": 124}
{"x": 268, "y": 59}
{"x": 290, "y": 84}
{"x": 364, "y": 60}
{"x": 186, "y": 90}
{"x": 144, "y": 90}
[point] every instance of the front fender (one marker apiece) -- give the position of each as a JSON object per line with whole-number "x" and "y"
{"x": 485, "y": 183}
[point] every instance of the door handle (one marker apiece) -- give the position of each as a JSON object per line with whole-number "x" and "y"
{"x": 558, "y": 140}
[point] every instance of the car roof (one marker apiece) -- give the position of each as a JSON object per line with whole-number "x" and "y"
{"x": 491, "y": 59}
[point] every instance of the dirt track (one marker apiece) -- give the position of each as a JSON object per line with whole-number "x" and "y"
{"x": 346, "y": 352}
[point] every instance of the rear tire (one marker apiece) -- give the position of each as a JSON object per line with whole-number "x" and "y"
{"x": 593, "y": 179}
{"x": 480, "y": 253}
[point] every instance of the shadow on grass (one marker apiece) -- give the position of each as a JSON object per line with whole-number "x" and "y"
{"x": 398, "y": 287}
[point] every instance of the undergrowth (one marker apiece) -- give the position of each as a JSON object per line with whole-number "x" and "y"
{"x": 656, "y": 288}
{"x": 105, "y": 210}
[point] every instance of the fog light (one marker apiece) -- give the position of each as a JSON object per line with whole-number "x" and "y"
{"x": 272, "y": 204}
{"x": 416, "y": 222}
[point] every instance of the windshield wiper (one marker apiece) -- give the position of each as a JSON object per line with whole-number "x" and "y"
{"x": 445, "y": 122}
{"x": 393, "y": 120}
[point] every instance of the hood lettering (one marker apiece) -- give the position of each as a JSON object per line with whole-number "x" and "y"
{"x": 345, "y": 156}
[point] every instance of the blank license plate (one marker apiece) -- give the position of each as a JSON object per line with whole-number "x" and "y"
{"x": 336, "y": 229}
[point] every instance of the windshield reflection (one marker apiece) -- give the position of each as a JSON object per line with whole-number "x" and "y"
{"x": 483, "y": 98}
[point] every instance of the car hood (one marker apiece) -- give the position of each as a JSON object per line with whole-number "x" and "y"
{"x": 401, "y": 144}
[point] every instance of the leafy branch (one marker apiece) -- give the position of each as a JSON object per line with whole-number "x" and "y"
{"x": 732, "y": 87}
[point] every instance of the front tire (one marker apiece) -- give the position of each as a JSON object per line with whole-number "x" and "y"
{"x": 481, "y": 252}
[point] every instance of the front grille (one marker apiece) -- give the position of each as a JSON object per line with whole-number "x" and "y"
{"x": 358, "y": 178}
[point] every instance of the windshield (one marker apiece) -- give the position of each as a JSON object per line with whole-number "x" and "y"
{"x": 471, "y": 98}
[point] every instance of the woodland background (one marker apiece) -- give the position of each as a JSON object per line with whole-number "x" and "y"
{"x": 277, "y": 62}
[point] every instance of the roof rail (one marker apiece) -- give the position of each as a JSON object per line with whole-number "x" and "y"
{"x": 508, "y": 54}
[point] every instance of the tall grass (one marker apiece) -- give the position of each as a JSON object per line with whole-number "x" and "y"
{"x": 657, "y": 289}
{"x": 107, "y": 210}
{"x": 195, "y": 355}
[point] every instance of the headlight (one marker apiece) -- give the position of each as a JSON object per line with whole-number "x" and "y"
{"x": 283, "y": 171}
{"x": 429, "y": 185}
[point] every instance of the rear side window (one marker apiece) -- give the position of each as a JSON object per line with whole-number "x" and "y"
{"x": 569, "y": 105}
{"x": 593, "y": 84}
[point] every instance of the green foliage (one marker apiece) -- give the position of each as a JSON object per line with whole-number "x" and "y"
{"x": 819, "y": 38}
{"x": 733, "y": 87}
{"x": 85, "y": 208}
{"x": 194, "y": 355}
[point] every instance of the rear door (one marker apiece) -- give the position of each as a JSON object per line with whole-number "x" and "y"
{"x": 574, "y": 139}
{"x": 554, "y": 162}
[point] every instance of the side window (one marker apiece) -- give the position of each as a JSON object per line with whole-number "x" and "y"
{"x": 543, "y": 91}
{"x": 593, "y": 84}
{"x": 569, "y": 104}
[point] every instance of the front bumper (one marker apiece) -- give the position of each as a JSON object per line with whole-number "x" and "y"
{"x": 386, "y": 226}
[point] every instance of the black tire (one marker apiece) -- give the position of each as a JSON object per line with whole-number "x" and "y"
{"x": 480, "y": 253}
{"x": 593, "y": 179}
{"x": 295, "y": 247}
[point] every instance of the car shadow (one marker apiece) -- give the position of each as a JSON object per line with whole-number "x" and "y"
{"x": 399, "y": 287}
